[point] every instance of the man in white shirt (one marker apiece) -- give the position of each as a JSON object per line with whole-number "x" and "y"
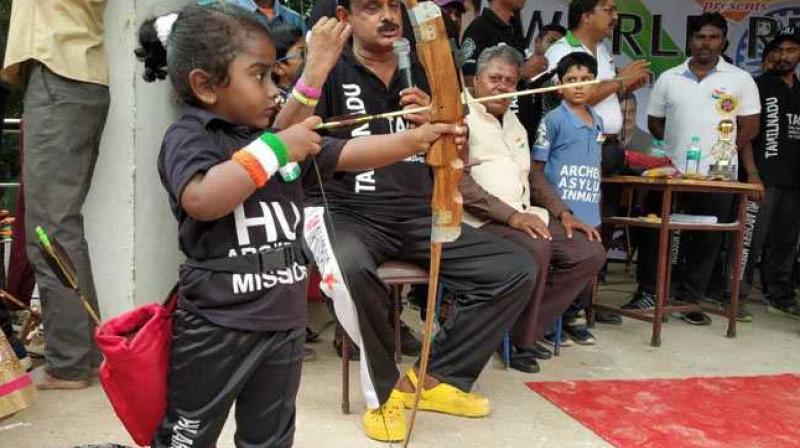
{"x": 690, "y": 101}
{"x": 589, "y": 23}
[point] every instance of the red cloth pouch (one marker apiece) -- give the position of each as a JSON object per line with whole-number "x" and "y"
{"x": 136, "y": 346}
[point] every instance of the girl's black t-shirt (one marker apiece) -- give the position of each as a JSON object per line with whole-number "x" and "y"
{"x": 270, "y": 218}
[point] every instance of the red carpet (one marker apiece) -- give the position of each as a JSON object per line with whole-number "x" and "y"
{"x": 733, "y": 412}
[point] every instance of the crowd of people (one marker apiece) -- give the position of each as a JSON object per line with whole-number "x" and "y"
{"x": 244, "y": 159}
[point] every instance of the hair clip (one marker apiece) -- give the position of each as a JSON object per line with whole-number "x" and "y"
{"x": 163, "y": 26}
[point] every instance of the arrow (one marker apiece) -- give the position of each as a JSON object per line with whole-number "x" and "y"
{"x": 63, "y": 268}
{"x": 351, "y": 120}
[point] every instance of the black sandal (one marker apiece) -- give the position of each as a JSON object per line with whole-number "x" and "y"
{"x": 696, "y": 318}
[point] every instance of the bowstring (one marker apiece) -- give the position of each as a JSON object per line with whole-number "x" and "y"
{"x": 329, "y": 220}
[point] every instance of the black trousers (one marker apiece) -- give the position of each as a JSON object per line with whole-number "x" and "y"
{"x": 211, "y": 367}
{"x": 490, "y": 278}
{"x": 698, "y": 250}
{"x": 775, "y": 240}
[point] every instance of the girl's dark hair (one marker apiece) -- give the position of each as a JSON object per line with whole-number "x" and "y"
{"x": 285, "y": 36}
{"x": 576, "y": 59}
{"x": 203, "y": 37}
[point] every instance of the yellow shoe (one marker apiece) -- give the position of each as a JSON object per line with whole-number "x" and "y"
{"x": 387, "y": 423}
{"x": 446, "y": 399}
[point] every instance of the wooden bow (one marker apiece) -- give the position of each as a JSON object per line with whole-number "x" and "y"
{"x": 435, "y": 54}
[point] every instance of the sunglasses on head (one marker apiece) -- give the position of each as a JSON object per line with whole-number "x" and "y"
{"x": 290, "y": 56}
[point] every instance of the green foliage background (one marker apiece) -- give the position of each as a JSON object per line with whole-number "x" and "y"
{"x": 302, "y": 6}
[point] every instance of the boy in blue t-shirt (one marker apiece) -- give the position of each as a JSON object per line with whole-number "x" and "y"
{"x": 569, "y": 143}
{"x": 567, "y": 151}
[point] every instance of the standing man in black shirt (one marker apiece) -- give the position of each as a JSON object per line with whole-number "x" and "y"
{"x": 496, "y": 25}
{"x": 385, "y": 214}
{"x": 776, "y": 150}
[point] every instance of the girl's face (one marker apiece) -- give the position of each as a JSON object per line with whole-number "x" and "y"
{"x": 250, "y": 97}
{"x": 290, "y": 65}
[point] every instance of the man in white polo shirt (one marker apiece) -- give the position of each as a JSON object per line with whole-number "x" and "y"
{"x": 691, "y": 100}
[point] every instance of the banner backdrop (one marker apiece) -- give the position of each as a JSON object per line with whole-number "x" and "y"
{"x": 656, "y": 30}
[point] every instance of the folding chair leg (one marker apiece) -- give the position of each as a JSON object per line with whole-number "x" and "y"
{"x": 507, "y": 349}
{"x": 594, "y": 290}
{"x": 557, "y": 349}
{"x": 397, "y": 309}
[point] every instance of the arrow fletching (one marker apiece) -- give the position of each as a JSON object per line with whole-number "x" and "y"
{"x": 57, "y": 259}
{"x": 63, "y": 267}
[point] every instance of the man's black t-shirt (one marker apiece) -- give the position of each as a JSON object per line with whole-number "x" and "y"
{"x": 399, "y": 191}
{"x": 487, "y": 30}
{"x": 777, "y": 146}
{"x": 270, "y": 218}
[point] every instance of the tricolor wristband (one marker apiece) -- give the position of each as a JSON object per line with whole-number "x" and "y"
{"x": 278, "y": 147}
{"x": 309, "y": 92}
{"x": 262, "y": 158}
{"x": 302, "y": 99}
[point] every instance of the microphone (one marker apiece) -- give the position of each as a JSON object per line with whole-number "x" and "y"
{"x": 402, "y": 49}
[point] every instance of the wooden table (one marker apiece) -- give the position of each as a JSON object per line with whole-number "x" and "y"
{"x": 668, "y": 187}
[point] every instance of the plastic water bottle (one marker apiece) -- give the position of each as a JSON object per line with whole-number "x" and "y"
{"x": 290, "y": 172}
{"x": 657, "y": 148}
{"x": 693, "y": 156}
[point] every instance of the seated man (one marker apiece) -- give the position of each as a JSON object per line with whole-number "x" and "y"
{"x": 385, "y": 214}
{"x": 497, "y": 194}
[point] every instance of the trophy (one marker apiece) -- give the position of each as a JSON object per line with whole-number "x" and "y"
{"x": 724, "y": 150}
{"x": 724, "y": 153}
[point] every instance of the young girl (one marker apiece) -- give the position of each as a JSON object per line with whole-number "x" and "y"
{"x": 239, "y": 328}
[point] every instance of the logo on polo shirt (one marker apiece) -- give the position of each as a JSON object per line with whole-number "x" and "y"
{"x": 727, "y": 104}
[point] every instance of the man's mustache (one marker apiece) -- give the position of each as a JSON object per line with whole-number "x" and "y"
{"x": 388, "y": 26}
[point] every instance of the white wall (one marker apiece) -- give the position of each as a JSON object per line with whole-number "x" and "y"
{"x": 130, "y": 230}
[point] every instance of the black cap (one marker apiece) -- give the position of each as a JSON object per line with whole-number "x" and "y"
{"x": 789, "y": 33}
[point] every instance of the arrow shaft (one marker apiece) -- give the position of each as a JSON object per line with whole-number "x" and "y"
{"x": 366, "y": 118}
